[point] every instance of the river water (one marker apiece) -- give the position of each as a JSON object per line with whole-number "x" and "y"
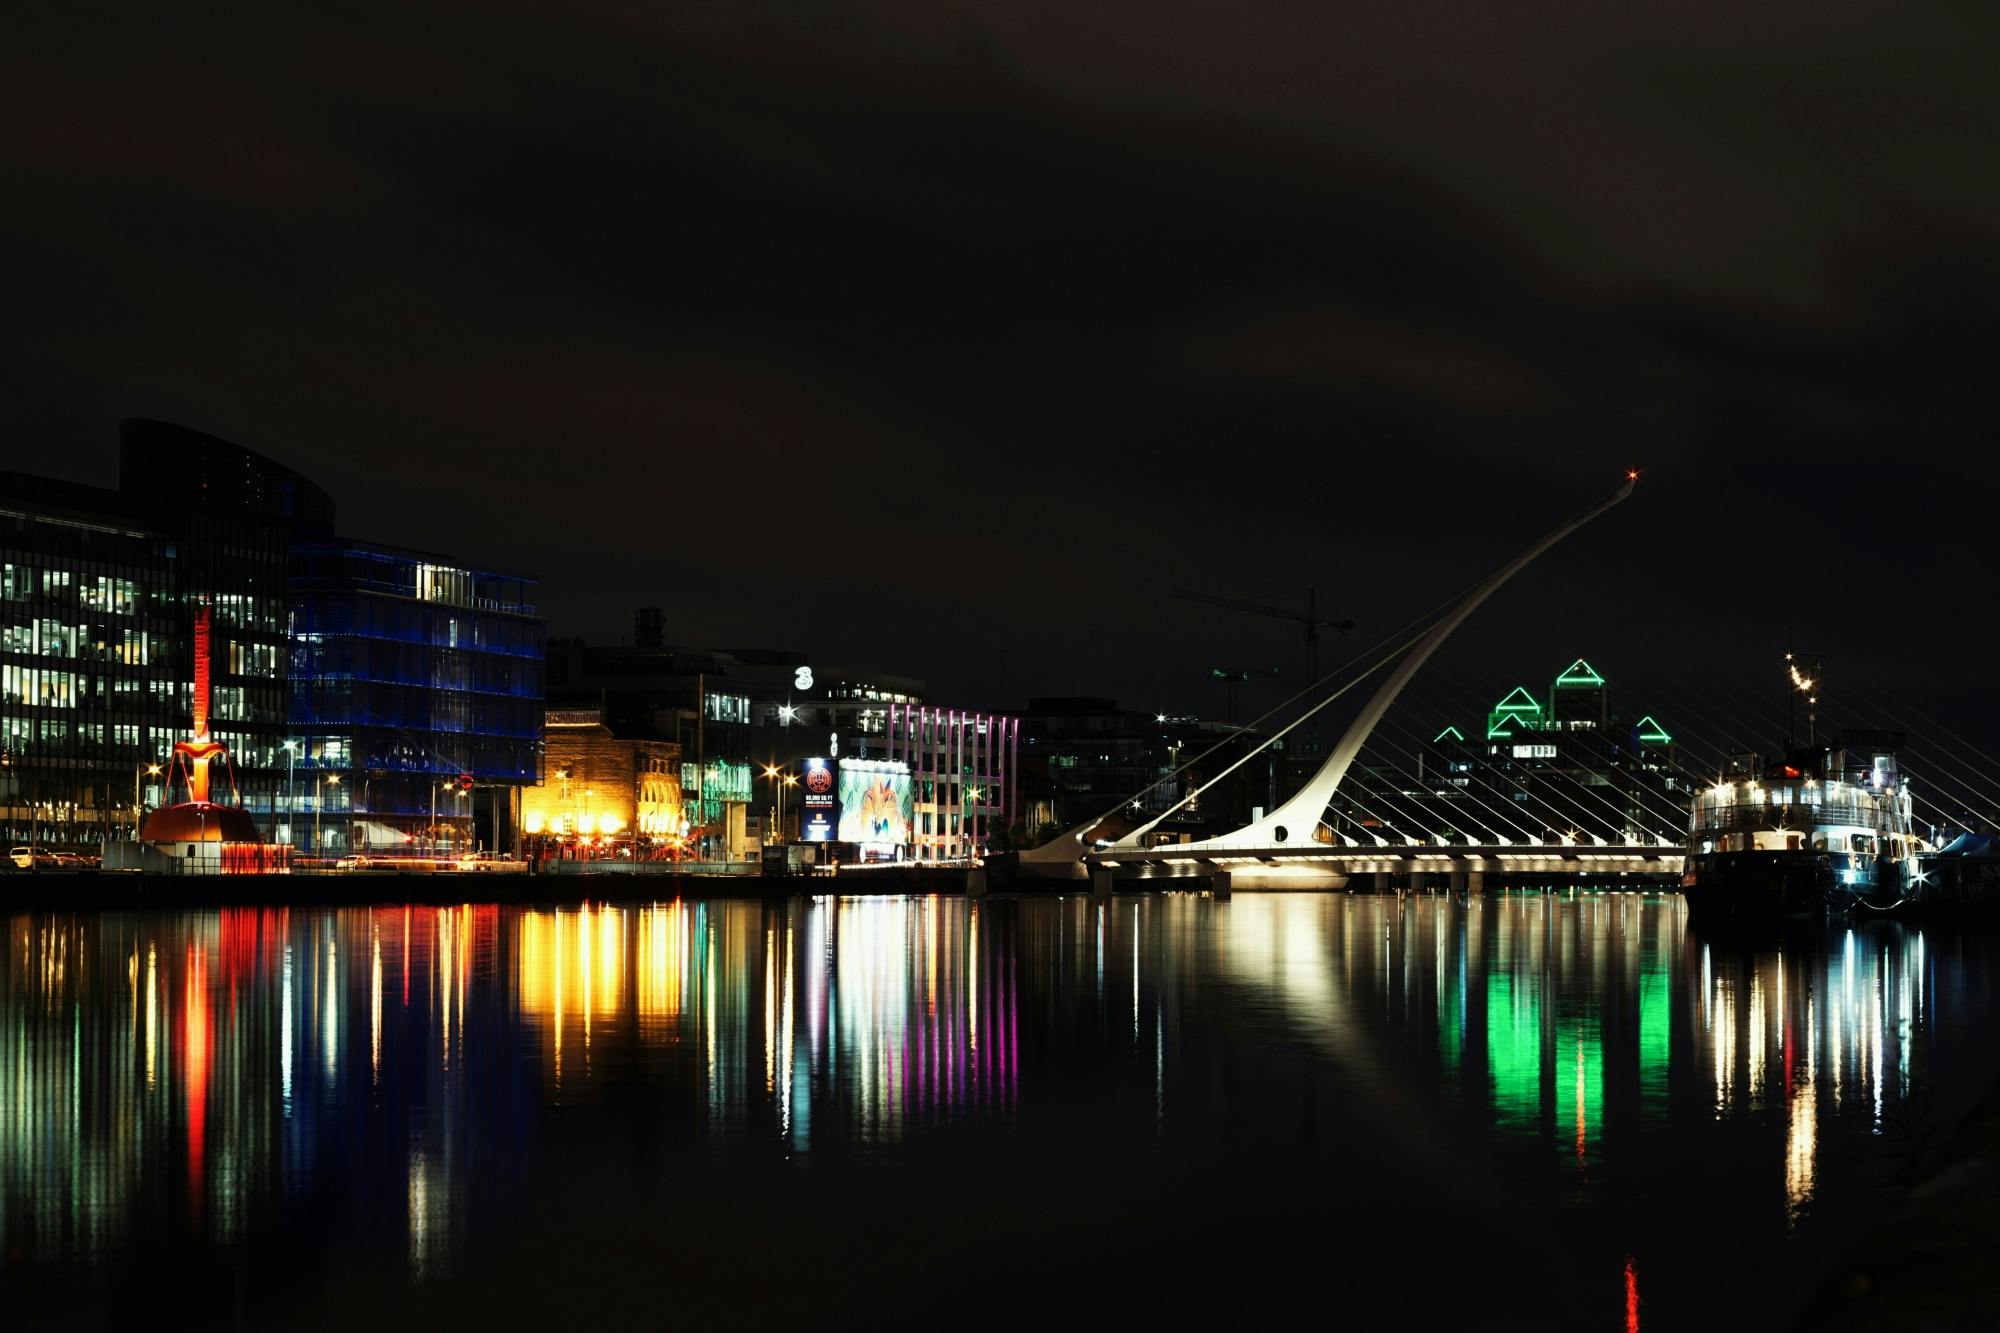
{"x": 1538, "y": 1110}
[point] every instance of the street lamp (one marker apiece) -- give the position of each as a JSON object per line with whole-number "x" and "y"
{"x": 332, "y": 780}
{"x": 291, "y": 749}
{"x": 151, "y": 771}
{"x": 778, "y": 790}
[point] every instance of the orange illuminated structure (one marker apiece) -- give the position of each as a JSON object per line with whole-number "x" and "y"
{"x": 199, "y": 819}
{"x": 187, "y": 831}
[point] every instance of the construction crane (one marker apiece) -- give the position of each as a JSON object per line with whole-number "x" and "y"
{"x": 1310, "y": 619}
{"x": 1232, "y": 679}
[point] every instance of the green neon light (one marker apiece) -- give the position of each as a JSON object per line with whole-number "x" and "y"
{"x": 1652, "y": 731}
{"x": 1520, "y": 701}
{"x": 1452, "y": 732}
{"x": 1496, "y": 729}
{"x": 1580, "y": 672}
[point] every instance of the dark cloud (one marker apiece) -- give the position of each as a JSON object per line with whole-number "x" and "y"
{"x": 912, "y": 333}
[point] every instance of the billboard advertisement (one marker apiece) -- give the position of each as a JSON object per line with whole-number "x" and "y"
{"x": 819, "y": 809}
{"x": 876, "y": 804}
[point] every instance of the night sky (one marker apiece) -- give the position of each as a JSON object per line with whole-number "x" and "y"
{"x": 909, "y": 333}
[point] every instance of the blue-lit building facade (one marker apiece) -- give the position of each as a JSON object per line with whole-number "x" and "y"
{"x": 416, "y": 701}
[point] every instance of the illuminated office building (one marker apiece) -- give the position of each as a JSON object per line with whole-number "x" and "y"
{"x": 98, "y": 588}
{"x": 1551, "y": 767}
{"x": 964, "y": 776}
{"x": 416, "y": 698}
{"x": 692, "y": 698}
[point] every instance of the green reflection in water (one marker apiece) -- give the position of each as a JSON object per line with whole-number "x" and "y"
{"x": 1514, "y": 1047}
{"x": 1655, "y": 1036}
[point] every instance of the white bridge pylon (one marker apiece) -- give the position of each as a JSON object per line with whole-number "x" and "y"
{"x": 1295, "y": 822}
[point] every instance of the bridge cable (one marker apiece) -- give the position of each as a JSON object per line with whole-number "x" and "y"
{"x": 1494, "y": 805}
{"x": 1944, "y": 781}
{"x": 1412, "y": 631}
{"x": 1557, "y": 780}
{"x": 1739, "y": 692}
{"x": 1354, "y": 797}
{"x": 1454, "y": 609}
{"x": 1959, "y": 763}
{"x": 1917, "y": 797}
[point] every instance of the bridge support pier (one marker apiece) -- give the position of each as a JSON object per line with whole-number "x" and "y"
{"x": 975, "y": 882}
{"x": 1100, "y": 883}
{"x": 1382, "y": 884}
{"x": 1417, "y": 881}
{"x": 1476, "y": 882}
{"x": 1458, "y": 881}
{"x": 1219, "y": 884}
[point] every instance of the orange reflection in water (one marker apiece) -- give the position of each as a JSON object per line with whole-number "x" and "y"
{"x": 195, "y": 1067}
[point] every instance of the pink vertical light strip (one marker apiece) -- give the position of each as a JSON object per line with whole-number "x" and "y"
{"x": 1013, "y": 1034}
{"x": 1013, "y": 766}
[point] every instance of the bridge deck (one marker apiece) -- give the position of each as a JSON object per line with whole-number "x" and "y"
{"x": 1513, "y": 858}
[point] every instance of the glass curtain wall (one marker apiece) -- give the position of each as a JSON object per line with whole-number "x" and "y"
{"x": 89, "y": 691}
{"x": 408, "y": 673}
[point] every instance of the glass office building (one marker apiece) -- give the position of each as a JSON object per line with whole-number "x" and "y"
{"x": 432, "y": 669}
{"x": 234, "y": 516}
{"x": 97, "y": 589}
{"x": 90, "y": 642}
{"x": 412, "y": 677}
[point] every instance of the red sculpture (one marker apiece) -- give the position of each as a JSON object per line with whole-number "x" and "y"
{"x": 199, "y": 819}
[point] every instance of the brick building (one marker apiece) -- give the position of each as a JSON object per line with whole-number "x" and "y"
{"x": 603, "y": 794}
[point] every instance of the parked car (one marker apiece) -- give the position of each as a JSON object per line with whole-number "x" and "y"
{"x": 25, "y": 858}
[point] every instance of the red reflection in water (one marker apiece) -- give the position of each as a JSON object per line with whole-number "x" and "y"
{"x": 1582, "y": 1124}
{"x": 1788, "y": 1056}
{"x": 1631, "y": 1294}
{"x": 195, "y": 1028}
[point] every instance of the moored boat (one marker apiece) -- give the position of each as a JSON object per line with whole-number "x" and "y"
{"x": 1817, "y": 829}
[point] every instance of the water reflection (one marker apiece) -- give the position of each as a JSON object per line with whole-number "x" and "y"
{"x": 208, "y": 1075}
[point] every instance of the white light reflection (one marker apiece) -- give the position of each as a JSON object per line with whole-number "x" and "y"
{"x": 1756, "y": 1041}
{"x": 330, "y": 1015}
{"x": 1801, "y": 1147}
{"x": 284, "y": 1032}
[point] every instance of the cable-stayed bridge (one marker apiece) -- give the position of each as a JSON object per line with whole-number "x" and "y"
{"x": 1390, "y": 805}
